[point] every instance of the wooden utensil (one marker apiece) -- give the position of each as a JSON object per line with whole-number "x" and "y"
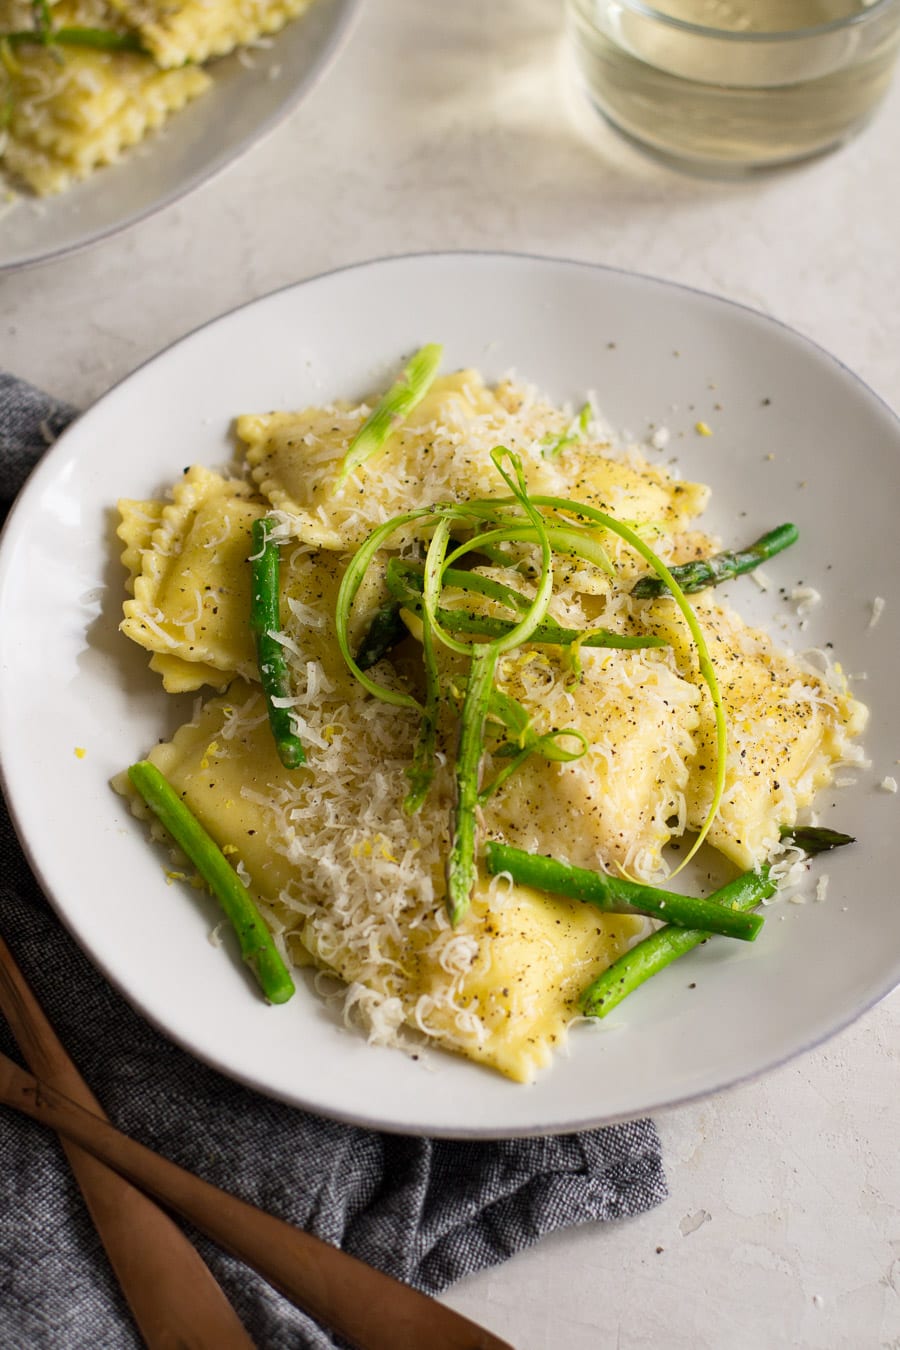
{"x": 370, "y": 1309}
{"x": 173, "y": 1296}
{"x": 170, "y": 1291}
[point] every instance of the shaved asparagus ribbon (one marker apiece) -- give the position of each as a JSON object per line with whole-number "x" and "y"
{"x": 392, "y": 409}
{"x": 461, "y": 865}
{"x": 520, "y": 519}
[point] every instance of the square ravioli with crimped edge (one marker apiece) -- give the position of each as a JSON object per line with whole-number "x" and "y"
{"x": 442, "y": 453}
{"x": 71, "y": 109}
{"x": 176, "y": 31}
{"x": 617, "y": 801}
{"x": 788, "y": 728}
{"x": 137, "y": 522}
{"x": 191, "y": 594}
{"x": 346, "y": 879}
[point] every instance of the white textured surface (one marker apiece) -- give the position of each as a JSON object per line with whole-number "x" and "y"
{"x": 447, "y": 127}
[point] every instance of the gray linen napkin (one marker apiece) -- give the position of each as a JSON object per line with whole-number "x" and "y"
{"x": 424, "y": 1210}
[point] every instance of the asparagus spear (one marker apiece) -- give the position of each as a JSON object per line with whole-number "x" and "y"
{"x": 484, "y": 625}
{"x": 43, "y": 23}
{"x": 483, "y": 657}
{"x": 257, "y": 947}
{"x": 265, "y": 621}
{"x": 658, "y": 950}
{"x": 461, "y": 866}
{"x": 393, "y": 408}
{"x": 98, "y": 39}
{"x": 387, "y": 627}
{"x": 385, "y": 631}
{"x": 421, "y": 771}
{"x": 403, "y": 577}
{"x": 696, "y": 576}
{"x": 617, "y": 895}
{"x": 405, "y": 583}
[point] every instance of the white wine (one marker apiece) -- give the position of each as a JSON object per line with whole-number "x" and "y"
{"x": 767, "y": 83}
{"x": 761, "y": 16}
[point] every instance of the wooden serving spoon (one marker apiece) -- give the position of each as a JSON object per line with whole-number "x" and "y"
{"x": 175, "y": 1301}
{"x": 372, "y": 1310}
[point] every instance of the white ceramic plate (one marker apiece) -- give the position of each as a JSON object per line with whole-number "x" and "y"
{"x": 796, "y": 436}
{"x": 246, "y": 101}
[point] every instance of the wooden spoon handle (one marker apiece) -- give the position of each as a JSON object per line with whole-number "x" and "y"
{"x": 373, "y": 1311}
{"x": 173, "y": 1297}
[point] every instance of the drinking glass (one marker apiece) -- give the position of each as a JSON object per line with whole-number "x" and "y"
{"x": 734, "y": 86}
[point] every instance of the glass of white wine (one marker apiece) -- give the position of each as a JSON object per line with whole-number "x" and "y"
{"x": 734, "y": 86}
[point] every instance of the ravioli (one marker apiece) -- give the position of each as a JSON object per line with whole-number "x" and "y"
{"x": 329, "y": 855}
{"x": 177, "y": 31}
{"x": 788, "y": 727}
{"x": 69, "y": 109}
{"x": 72, "y": 109}
{"x": 347, "y": 877}
{"x": 192, "y": 593}
{"x": 434, "y": 456}
{"x": 614, "y": 806}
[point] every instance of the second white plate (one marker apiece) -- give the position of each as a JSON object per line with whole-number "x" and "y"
{"x": 250, "y": 95}
{"x": 795, "y": 437}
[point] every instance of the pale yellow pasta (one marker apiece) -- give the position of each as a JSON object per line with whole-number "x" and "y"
{"x": 787, "y": 729}
{"x": 137, "y": 522}
{"x": 296, "y": 458}
{"x": 617, "y": 801}
{"x": 192, "y": 594}
{"x": 180, "y": 676}
{"x": 72, "y": 109}
{"x": 501, "y": 988}
{"x": 346, "y": 875}
{"x": 175, "y": 31}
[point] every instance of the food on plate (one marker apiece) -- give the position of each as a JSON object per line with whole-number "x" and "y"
{"x": 83, "y": 80}
{"x": 458, "y": 705}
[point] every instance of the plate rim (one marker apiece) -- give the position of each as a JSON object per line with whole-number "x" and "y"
{"x": 664, "y": 1102}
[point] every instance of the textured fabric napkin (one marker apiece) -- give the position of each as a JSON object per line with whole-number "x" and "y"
{"x": 426, "y": 1211}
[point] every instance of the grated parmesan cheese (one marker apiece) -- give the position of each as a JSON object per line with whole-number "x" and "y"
{"x": 346, "y": 877}
{"x": 806, "y": 598}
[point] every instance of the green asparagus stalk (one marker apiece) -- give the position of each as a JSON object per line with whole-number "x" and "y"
{"x": 385, "y": 631}
{"x": 815, "y": 839}
{"x": 393, "y": 409}
{"x": 421, "y": 771}
{"x": 97, "y": 39}
{"x": 405, "y": 583}
{"x": 387, "y": 628}
{"x": 461, "y": 866}
{"x": 548, "y": 632}
{"x": 618, "y": 895}
{"x": 664, "y": 946}
{"x": 483, "y": 656}
{"x": 697, "y": 575}
{"x": 403, "y": 578}
{"x": 257, "y": 947}
{"x": 43, "y": 23}
{"x": 265, "y": 621}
